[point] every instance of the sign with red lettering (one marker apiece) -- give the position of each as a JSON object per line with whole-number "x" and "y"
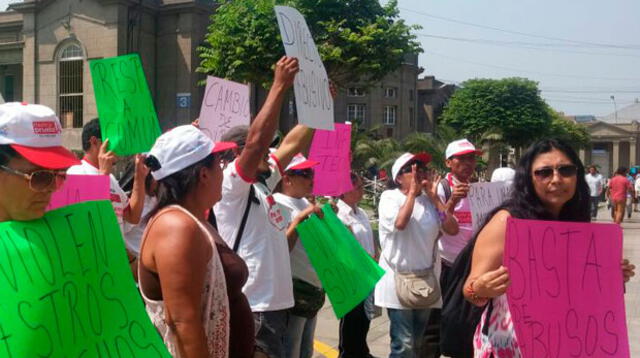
{"x": 566, "y": 294}
{"x": 332, "y": 149}
{"x": 225, "y": 105}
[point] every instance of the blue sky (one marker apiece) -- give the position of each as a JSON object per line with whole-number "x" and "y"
{"x": 576, "y": 76}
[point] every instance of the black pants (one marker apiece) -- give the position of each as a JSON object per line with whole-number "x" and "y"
{"x": 593, "y": 202}
{"x": 354, "y": 327}
{"x": 431, "y": 342}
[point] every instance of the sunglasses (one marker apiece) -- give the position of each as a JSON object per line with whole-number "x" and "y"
{"x": 40, "y": 180}
{"x": 305, "y": 173}
{"x": 420, "y": 168}
{"x": 565, "y": 171}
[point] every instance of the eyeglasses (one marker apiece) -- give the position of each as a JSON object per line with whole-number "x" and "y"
{"x": 40, "y": 180}
{"x": 420, "y": 168}
{"x": 305, "y": 173}
{"x": 565, "y": 171}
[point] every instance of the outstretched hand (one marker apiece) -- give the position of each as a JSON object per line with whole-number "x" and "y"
{"x": 628, "y": 270}
{"x": 106, "y": 158}
{"x": 285, "y": 71}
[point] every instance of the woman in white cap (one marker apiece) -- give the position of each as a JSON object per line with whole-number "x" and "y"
{"x": 294, "y": 188}
{"x": 33, "y": 162}
{"x": 410, "y": 222}
{"x": 190, "y": 280}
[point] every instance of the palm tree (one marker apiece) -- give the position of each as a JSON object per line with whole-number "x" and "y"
{"x": 435, "y": 145}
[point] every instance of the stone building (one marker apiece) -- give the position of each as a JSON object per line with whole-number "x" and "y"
{"x": 45, "y": 46}
{"x": 433, "y": 95}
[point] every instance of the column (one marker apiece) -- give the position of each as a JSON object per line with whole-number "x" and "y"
{"x": 616, "y": 155}
{"x": 632, "y": 152}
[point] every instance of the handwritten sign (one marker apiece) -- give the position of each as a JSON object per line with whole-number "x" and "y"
{"x": 566, "y": 294}
{"x": 67, "y": 289}
{"x": 225, "y": 105}
{"x": 332, "y": 149}
{"x": 79, "y": 188}
{"x": 348, "y": 274}
{"x": 127, "y": 115}
{"x": 313, "y": 97}
{"x": 483, "y": 198}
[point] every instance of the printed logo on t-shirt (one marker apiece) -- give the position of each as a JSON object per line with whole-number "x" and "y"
{"x": 46, "y": 128}
{"x": 115, "y": 198}
{"x": 275, "y": 214}
{"x": 464, "y": 217}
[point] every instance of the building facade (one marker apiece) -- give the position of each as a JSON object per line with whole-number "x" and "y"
{"x": 46, "y": 46}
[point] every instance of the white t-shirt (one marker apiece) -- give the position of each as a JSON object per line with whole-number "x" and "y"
{"x": 595, "y": 183}
{"x": 301, "y": 267}
{"x": 408, "y": 250}
{"x": 133, "y": 233}
{"x": 451, "y": 245}
{"x": 358, "y": 222}
{"x": 119, "y": 198}
{"x": 263, "y": 245}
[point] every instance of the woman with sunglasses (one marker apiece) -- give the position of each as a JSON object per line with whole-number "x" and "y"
{"x": 33, "y": 161}
{"x": 411, "y": 217}
{"x": 190, "y": 280}
{"x": 549, "y": 185}
{"x": 293, "y": 190}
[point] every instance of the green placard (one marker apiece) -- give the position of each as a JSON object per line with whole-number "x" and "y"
{"x": 347, "y": 272}
{"x": 127, "y": 115}
{"x": 66, "y": 289}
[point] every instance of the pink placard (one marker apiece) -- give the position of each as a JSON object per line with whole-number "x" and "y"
{"x": 566, "y": 294}
{"x": 225, "y": 105}
{"x": 333, "y": 150}
{"x": 79, "y": 188}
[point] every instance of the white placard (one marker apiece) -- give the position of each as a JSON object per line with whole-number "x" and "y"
{"x": 313, "y": 97}
{"x": 483, "y": 198}
{"x": 225, "y": 105}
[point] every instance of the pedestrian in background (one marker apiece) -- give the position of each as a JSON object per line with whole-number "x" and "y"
{"x": 595, "y": 181}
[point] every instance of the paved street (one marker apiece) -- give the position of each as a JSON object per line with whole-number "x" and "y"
{"x": 327, "y": 328}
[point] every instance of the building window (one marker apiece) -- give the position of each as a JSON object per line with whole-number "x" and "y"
{"x": 356, "y": 113}
{"x": 355, "y": 92}
{"x": 390, "y": 92}
{"x": 70, "y": 86}
{"x": 412, "y": 119}
{"x": 9, "y": 94}
{"x": 410, "y": 95}
{"x": 390, "y": 115}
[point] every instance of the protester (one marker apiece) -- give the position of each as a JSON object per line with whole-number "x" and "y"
{"x": 636, "y": 188}
{"x": 503, "y": 175}
{"x": 596, "y": 184}
{"x": 99, "y": 161}
{"x": 250, "y": 220}
{"x": 133, "y": 233}
{"x": 410, "y": 222}
{"x": 460, "y": 158}
{"x": 296, "y": 185}
{"x": 619, "y": 188}
{"x": 189, "y": 279}
{"x": 549, "y": 185}
{"x": 32, "y": 160}
{"x": 354, "y": 326}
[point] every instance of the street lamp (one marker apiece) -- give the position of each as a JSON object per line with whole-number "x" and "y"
{"x": 615, "y": 108}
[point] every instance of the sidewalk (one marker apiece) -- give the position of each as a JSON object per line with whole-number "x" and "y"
{"x": 327, "y": 327}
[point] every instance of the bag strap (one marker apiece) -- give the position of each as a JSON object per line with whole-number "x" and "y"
{"x": 243, "y": 223}
{"x": 444, "y": 182}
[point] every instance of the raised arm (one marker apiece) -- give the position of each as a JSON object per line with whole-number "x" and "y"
{"x": 264, "y": 126}
{"x": 296, "y": 141}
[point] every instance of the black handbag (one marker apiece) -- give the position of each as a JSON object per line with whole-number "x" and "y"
{"x": 308, "y": 298}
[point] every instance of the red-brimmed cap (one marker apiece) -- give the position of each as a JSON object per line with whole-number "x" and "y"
{"x": 300, "y": 162}
{"x": 406, "y": 158}
{"x": 222, "y": 146}
{"x": 47, "y": 157}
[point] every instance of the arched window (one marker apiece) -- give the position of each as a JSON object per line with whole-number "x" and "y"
{"x": 70, "y": 79}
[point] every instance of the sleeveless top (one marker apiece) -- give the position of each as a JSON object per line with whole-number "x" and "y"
{"x": 215, "y": 305}
{"x": 500, "y": 340}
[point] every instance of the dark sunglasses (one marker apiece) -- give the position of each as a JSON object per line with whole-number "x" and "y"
{"x": 420, "y": 168}
{"x": 565, "y": 171}
{"x": 305, "y": 173}
{"x": 40, "y": 180}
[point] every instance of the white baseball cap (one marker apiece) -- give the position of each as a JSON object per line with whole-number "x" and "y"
{"x": 35, "y": 133}
{"x": 406, "y": 158}
{"x": 182, "y": 147}
{"x": 300, "y": 162}
{"x": 460, "y": 147}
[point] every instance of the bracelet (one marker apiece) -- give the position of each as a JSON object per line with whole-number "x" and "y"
{"x": 474, "y": 296}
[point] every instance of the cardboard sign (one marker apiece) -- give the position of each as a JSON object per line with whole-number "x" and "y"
{"x": 80, "y": 188}
{"x": 67, "y": 289}
{"x": 566, "y": 294}
{"x": 127, "y": 115}
{"x": 333, "y": 150}
{"x": 313, "y": 97}
{"x": 483, "y": 198}
{"x": 348, "y": 274}
{"x": 225, "y": 105}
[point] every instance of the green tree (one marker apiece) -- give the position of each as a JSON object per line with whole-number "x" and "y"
{"x": 511, "y": 107}
{"x": 358, "y": 40}
{"x": 572, "y": 133}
